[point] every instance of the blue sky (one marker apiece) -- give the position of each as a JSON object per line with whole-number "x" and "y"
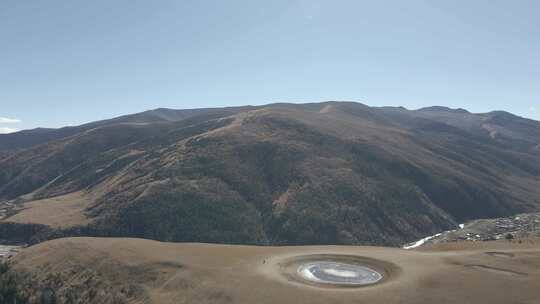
{"x": 70, "y": 62}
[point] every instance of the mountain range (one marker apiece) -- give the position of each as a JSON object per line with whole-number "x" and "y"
{"x": 278, "y": 174}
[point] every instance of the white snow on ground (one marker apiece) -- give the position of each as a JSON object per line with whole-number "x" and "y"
{"x": 306, "y": 273}
{"x": 6, "y": 251}
{"x": 338, "y": 273}
{"x": 421, "y": 242}
{"x": 341, "y": 273}
{"x": 461, "y": 226}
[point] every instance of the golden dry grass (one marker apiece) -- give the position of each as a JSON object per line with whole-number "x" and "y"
{"x": 494, "y": 273}
{"x": 57, "y": 212}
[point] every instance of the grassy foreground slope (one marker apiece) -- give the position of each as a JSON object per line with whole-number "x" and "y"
{"x": 324, "y": 173}
{"x": 93, "y": 270}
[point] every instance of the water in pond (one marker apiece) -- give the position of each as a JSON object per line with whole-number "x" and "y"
{"x": 338, "y": 273}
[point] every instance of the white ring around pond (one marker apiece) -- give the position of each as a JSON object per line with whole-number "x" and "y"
{"x": 335, "y": 273}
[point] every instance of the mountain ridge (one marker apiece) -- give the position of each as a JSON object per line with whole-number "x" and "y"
{"x": 318, "y": 173}
{"x": 28, "y": 138}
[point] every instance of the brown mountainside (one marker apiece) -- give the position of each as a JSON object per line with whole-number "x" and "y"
{"x": 322, "y": 173}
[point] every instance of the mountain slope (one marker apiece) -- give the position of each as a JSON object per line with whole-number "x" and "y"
{"x": 326, "y": 173}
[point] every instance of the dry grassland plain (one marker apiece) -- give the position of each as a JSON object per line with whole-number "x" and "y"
{"x": 487, "y": 272}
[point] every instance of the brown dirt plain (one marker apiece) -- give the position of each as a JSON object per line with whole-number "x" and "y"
{"x": 487, "y": 272}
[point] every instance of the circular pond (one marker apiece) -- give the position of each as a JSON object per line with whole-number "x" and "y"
{"x": 336, "y": 273}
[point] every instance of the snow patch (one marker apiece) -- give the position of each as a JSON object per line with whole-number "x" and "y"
{"x": 307, "y": 274}
{"x": 8, "y": 251}
{"x": 341, "y": 273}
{"x": 421, "y": 242}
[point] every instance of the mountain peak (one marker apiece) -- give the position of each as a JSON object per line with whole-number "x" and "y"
{"x": 443, "y": 109}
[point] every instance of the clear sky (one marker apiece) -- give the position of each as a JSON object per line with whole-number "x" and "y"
{"x": 65, "y": 62}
